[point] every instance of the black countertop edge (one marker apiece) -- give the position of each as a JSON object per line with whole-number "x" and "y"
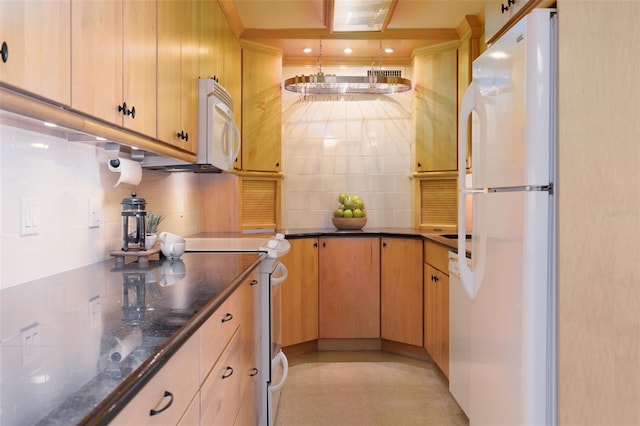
{"x": 109, "y": 407}
{"x": 413, "y": 233}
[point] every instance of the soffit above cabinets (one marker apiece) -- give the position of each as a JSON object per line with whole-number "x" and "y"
{"x": 295, "y": 24}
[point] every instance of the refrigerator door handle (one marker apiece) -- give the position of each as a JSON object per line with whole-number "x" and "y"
{"x": 468, "y": 105}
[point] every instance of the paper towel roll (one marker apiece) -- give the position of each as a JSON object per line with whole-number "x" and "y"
{"x": 130, "y": 171}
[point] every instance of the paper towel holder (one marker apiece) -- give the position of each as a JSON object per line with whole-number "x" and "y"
{"x": 112, "y": 150}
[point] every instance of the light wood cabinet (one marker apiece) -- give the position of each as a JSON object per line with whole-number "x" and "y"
{"x": 178, "y": 35}
{"x": 113, "y": 62}
{"x": 250, "y": 369}
{"x": 261, "y": 108}
{"x": 435, "y": 102}
{"x": 436, "y": 202}
{"x": 401, "y": 290}
{"x": 436, "y": 304}
{"x": 220, "y": 394}
{"x": 259, "y": 202}
{"x": 349, "y": 293}
{"x": 300, "y": 293}
{"x": 499, "y": 13}
{"x": 37, "y": 41}
{"x": 170, "y": 392}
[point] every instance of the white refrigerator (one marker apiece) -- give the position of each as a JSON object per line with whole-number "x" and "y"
{"x": 510, "y": 361}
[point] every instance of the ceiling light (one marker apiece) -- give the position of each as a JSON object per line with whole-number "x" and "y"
{"x": 46, "y": 123}
{"x": 375, "y": 82}
{"x": 307, "y": 50}
{"x": 388, "y": 50}
{"x": 360, "y": 15}
{"x": 348, "y": 50}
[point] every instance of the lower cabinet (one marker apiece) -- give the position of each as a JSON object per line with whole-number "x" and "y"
{"x": 166, "y": 397}
{"x": 401, "y": 290}
{"x": 300, "y": 293}
{"x": 349, "y": 295}
{"x": 436, "y": 304}
{"x": 214, "y": 378}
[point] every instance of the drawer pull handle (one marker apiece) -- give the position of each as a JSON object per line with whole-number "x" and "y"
{"x": 227, "y": 317}
{"x": 227, "y": 373}
{"x": 253, "y": 282}
{"x": 4, "y": 52}
{"x": 254, "y": 372}
{"x": 167, "y": 394}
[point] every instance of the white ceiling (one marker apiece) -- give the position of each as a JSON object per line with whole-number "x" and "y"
{"x": 294, "y": 24}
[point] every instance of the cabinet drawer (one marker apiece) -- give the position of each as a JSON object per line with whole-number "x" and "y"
{"x": 216, "y": 332}
{"x": 177, "y": 381}
{"x": 437, "y": 256}
{"x": 220, "y": 392}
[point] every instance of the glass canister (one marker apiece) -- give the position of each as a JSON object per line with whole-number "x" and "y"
{"x": 133, "y": 223}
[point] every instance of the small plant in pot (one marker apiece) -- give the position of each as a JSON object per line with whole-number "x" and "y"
{"x": 151, "y": 229}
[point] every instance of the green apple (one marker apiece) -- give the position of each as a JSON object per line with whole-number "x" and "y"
{"x": 338, "y": 213}
{"x": 348, "y": 214}
{"x": 342, "y": 198}
{"x": 358, "y": 213}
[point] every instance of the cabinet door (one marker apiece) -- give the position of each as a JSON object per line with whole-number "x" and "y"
{"x": 96, "y": 60}
{"x": 178, "y": 377}
{"x": 436, "y": 316}
{"x": 300, "y": 293}
{"x": 250, "y": 333}
{"x": 401, "y": 290}
{"x": 38, "y": 41}
{"x": 436, "y": 96}
{"x": 261, "y": 110}
{"x": 349, "y": 289}
{"x": 139, "y": 65}
{"x": 178, "y": 36}
{"x": 220, "y": 393}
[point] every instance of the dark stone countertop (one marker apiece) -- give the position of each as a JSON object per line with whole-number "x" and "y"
{"x": 98, "y": 333}
{"x": 292, "y": 233}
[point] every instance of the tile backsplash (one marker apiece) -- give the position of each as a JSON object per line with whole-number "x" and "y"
{"x": 60, "y": 178}
{"x": 354, "y": 144}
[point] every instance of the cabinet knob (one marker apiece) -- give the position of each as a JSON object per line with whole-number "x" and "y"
{"x": 227, "y": 317}
{"x": 277, "y": 164}
{"x": 384, "y": 244}
{"x": 4, "y": 51}
{"x": 253, "y": 282}
{"x": 123, "y": 108}
{"x": 504, "y": 8}
{"x": 419, "y": 165}
{"x": 228, "y": 372}
{"x": 315, "y": 245}
{"x": 254, "y": 372}
{"x": 324, "y": 244}
{"x": 132, "y": 112}
{"x": 184, "y": 136}
{"x": 167, "y": 394}
{"x": 510, "y": 2}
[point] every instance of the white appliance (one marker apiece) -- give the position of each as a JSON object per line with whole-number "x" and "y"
{"x": 218, "y": 135}
{"x": 511, "y": 283}
{"x": 459, "y": 337}
{"x": 273, "y": 362}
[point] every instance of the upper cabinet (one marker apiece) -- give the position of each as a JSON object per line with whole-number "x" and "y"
{"x": 435, "y": 102}
{"x": 113, "y": 62}
{"x": 36, "y": 52}
{"x": 178, "y": 40}
{"x": 261, "y": 108}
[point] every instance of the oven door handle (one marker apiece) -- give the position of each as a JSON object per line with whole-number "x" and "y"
{"x": 282, "y": 359}
{"x": 284, "y": 272}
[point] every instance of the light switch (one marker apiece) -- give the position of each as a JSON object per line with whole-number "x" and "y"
{"x": 95, "y": 213}
{"x": 29, "y": 216}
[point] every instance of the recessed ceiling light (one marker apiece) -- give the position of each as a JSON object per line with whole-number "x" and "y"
{"x": 100, "y": 138}
{"x": 307, "y": 50}
{"x": 388, "y": 50}
{"x": 348, "y": 50}
{"x": 46, "y": 123}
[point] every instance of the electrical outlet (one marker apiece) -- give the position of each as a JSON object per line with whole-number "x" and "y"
{"x": 95, "y": 312}
{"x": 95, "y": 213}
{"x": 29, "y": 216}
{"x": 30, "y": 343}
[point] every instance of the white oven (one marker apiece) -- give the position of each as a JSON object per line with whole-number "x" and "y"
{"x": 274, "y": 361}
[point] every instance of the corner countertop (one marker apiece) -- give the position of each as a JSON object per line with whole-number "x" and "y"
{"x": 99, "y": 332}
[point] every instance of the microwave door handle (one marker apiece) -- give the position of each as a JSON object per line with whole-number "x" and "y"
{"x": 235, "y": 142}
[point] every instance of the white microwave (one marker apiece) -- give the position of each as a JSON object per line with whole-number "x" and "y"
{"x": 218, "y": 135}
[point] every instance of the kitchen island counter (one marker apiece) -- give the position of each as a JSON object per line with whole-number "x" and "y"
{"x": 78, "y": 345}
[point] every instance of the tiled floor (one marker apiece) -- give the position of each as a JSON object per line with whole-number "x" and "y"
{"x": 365, "y": 388}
